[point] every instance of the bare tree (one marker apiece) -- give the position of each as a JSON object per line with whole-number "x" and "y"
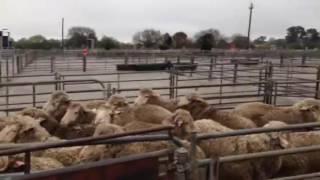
{"x": 148, "y": 38}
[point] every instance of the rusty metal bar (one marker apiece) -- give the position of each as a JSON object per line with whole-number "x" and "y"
{"x": 27, "y": 161}
{"x": 299, "y": 177}
{"x": 80, "y": 141}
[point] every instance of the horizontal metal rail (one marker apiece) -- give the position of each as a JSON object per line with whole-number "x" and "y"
{"x": 257, "y": 130}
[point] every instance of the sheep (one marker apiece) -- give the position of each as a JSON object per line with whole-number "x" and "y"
{"x": 301, "y": 163}
{"x": 307, "y": 110}
{"x": 304, "y": 111}
{"x": 46, "y": 121}
{"x": 22, "y": 129}
{"x": 253, "y": 110}
{"x": 98, "y": 152}
{"x": 213, "y": 148}
{"x": 145, "y": 113}
{"x": 117, "y": 101}
{"x": 16, "y": 163}
{"x": 200, "y": 109}
{"x": 57, "y": 105}
{"x": 67, "y": 155}
{"x": 148, "y": 96}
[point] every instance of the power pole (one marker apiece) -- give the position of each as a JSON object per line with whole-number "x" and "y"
{"x": 249, "y": 28}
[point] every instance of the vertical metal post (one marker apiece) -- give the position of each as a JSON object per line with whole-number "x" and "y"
{"x": 303, "y": 60}
{"x": 182, "y": 167}
{"x": 192, "y": 62}
{"x": 235, "y": 72}
{"x": 33, "y": 95}
{"x": 52, "y": 64}
{"x": 84, "y": 64}
{"x": 126, "y": 59}
{"x": 18, "y": 64}
{"x": 12, "y": 64}
{"x": 7, "y": 100}
{"x": 275, "y": 85}
{"x": 118, "y": 80}
{"x": 27, "y": 162}
{"x": 317, "y": 94}
{"x": 0, "y": 72}
{"x": 193, "y": 151}
{"x": 221, "y": 81}
{"x": 109, "y": 89}
{"x": 178, "y": 59}
{"x": 250, "y": 20}
{"x": 260, "y": 80}
{"x": 211, "y": 68}
{"x": 281, "y": 60}
{"x": 7, "y": 69}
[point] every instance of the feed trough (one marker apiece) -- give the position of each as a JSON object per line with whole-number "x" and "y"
{"x": 155, "y": 66}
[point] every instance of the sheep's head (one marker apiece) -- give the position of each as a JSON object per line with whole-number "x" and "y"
{"x": 182, "y": 122}
{"x": 118, "y": 101}
{"x": 279, "y": 138}
{"x": 309, "y": 106}
{"x": 46, "y": 121}
{"x": 76, "y": 114}
{"x": 103, "y": 114}
{"x": 193, "y": 103}
{"x": 145, "y": 95}
{"x": 57, "y": 104}
{"x": 23, "y": 129}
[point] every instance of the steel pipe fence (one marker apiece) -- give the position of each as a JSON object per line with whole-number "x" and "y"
{"x": 214, "y": 164}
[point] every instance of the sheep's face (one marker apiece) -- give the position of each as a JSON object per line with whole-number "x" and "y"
{"x": 182, "y": 122}
{"x": 31, "y": 131}
{"x": 193, "y": 103}
{"x": 75, "y": 114}
{"x": 118, "y": 101}
{"x": 57, "y": 104}
{"x": 145, "y": 95}
{"x": 103, "y": 115}
{"x": 309, "y": 106}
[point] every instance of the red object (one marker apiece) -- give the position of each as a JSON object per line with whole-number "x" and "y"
{"x": 85, "y": 52}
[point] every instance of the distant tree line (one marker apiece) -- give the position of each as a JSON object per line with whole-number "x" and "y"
{"x": 297, "y": 37}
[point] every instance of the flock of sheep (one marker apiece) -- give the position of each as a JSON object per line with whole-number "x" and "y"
{"x": 61, "y": 119}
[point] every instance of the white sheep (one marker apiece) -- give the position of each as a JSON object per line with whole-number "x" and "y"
{"x": 149, "y": 96}
{"x": 213, "y": 148}
{"x": 200, "y": 109}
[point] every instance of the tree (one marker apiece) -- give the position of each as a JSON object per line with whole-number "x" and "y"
{"x": 166, "y": 42}
{"x": 240, "y": 41}
{"x": 79, "y": 36}
{"x": 278, "y": 43}
{"x": 260, "y": 40}
{"x": 312, "y": 38}
{"x": 148, "y": 38}
{"x": 108, "y": 43}
{"x": 206, "y": 39}
{"x": 180, "y": 40}
{"x": 223, "y": 44}
{"x": 295, "y": 36}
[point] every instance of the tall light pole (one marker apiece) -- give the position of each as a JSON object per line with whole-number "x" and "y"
{"x": 250, "y": 20}
{"x": 62, "y": 34}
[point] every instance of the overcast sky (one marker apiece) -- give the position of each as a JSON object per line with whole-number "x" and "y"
{"x": 122, "y": 18}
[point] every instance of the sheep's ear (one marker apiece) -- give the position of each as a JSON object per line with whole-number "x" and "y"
{"x": 168, "y": 122}
{"x": 304, "y": 108}
{"x": 183, "y": 101}
{"x": 4, "y": 163}
{"x": 284, "y": 143}
{"x": 141, "y": 100}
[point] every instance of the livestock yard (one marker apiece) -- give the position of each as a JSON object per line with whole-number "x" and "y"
{"x": 224, "y": 79}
